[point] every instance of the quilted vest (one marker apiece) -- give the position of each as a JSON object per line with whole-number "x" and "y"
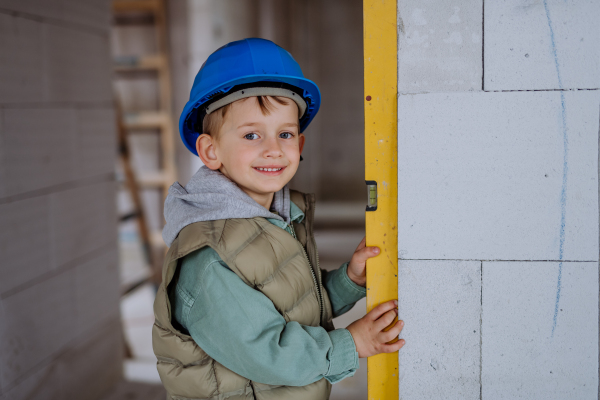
{"x": 267, "y": 259}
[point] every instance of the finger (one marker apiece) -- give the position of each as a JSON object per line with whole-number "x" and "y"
{"x": 390, "y": 348}
{"x": 362, "y": 255}
{"x": 385, "y": 320}
{"x": 381, "y": 309}
{"x": 392, "y": 333}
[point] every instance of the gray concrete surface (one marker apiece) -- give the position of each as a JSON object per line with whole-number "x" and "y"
{"x": 499, "y": 185}
{"x": 60, "y": 335}
{"x": 125, "y": 390}
{"x": 439, "y": 46}
{"x": 537, "y": 344}
{"x": 480, "y": 175}
{"x": 440, "y": 302}
{"x": 548, "y": 44}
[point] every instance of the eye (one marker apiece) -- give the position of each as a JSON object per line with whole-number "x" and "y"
{"x": 286, "y": 135}
{"x": 251, "y": 136}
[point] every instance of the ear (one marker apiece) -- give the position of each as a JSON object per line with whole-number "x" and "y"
{"x": 301, "y": 139}
{"x": 205, "y": 146}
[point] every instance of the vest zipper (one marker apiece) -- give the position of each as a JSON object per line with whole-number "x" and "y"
{"x": 319, "y": 294}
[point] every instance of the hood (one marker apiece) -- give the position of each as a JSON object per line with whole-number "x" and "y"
{"x": 209, "y": 196}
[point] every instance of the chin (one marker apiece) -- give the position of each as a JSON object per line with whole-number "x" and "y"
{"x": 271, "y": 187}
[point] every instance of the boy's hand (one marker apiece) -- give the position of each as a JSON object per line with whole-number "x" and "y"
{"x": 356, "y": 267}
{"x": 368, "y": 332}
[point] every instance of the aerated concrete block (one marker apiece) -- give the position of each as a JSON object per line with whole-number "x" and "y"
{"x": 24, "y": 242}
{"x": 93, "y": 363}
{"x": 45, "y": 147}
{"x": 21, "y": 66}
{"x": 3, "y": 335}
{"x": 550, "y": 44}
{"x": 82, "y": 220}
{"x": 42, "y": 383}
{"x": 78, "y": 66}
{"x": 38, "y": 8}
{"x": 540, "y": 330}
{"x": 39, "y": 147}
{"x": 498, "y": 176}
{"x": 84, "y": 14}
{"x": 440, "y": 303}
{"x": 97, "y": 292}
{"x": 97, "y": 141}
{"x": 3, "y": 172}
{"x": 91, "y": 13}
{"x": 439, "y": 45}
{"x": 39, "y": 323}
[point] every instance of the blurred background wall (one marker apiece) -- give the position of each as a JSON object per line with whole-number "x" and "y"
{"x": 60, "y": 333}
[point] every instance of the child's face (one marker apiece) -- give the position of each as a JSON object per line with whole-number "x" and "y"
{"x": 250, "y": 142}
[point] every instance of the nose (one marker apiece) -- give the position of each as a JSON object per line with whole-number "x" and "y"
{"x": 272, "y": 148}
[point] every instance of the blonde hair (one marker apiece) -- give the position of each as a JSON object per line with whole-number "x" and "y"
{"x": 214, "y": 121}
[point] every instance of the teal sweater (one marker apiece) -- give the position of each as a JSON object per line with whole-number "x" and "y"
{"x": 240, "y": 328}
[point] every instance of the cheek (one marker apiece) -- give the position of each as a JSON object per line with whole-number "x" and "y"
{"x": 292, "y": 151}
{"x": 240, "y": 156}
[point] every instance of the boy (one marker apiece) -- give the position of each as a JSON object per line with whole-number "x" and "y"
{"x": 244, "y": 312}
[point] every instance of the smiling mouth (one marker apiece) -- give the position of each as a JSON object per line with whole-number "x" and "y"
{"x": 269, "y": 169}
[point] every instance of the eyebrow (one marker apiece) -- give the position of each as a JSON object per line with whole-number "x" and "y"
{"x": 257, "y": 124}
{"x": 249, "y": 124}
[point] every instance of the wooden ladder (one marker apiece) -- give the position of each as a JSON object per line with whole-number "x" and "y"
{"x": 159, "y": 119}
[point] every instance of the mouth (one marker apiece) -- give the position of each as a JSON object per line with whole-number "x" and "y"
{"x": 269, "y": 171}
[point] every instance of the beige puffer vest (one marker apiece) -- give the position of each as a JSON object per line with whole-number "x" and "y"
{"x": 266, "y": 258}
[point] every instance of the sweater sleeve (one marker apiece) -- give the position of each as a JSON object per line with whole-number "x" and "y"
{"x": 240, "y": 328}
{"x": 343, "y": 293}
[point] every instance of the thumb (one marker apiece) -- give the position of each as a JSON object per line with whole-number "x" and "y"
{"x": 381, "y": 309}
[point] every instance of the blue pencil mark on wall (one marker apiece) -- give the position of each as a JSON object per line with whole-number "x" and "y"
{"x": 563, "y": 193}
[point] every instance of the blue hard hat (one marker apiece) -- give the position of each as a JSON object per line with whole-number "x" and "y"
{"x": 243, "y": 64}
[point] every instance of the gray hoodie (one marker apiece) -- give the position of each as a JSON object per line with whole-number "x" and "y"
{"x": 209, "y": 196}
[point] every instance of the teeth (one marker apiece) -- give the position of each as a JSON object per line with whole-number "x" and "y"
{"x": 268, "y": 169}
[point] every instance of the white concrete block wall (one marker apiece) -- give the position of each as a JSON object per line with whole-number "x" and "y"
{"x": 537, "y": 342}
{"x": 480, "y": 175}
{"x": 441, "y": 304}
{"x": 503, "y": 178}
{"x": 439, "y": 45}
{"x": 549, "y": 44}
{"x": 60, "y": 334}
